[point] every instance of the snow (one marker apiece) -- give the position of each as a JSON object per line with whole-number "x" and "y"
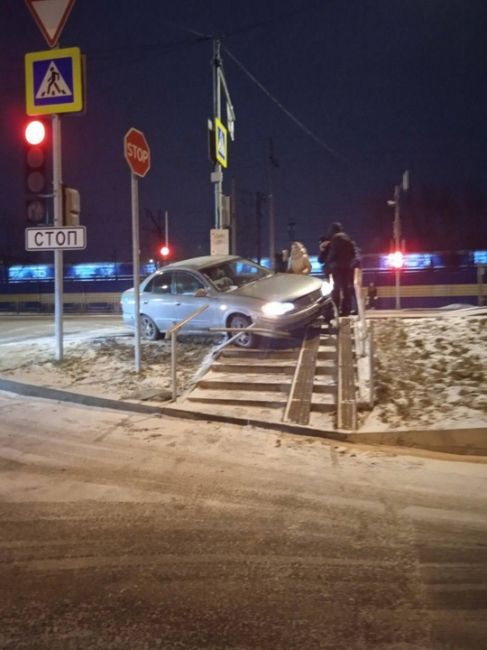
{"x": 428, "y": 372}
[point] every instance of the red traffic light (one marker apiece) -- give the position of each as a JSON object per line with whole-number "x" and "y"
{"x": 396, "y": 260}
{"x": 35, "y": 172}
{"x": 35, "y": 132}
{"x": 165, "y": 251}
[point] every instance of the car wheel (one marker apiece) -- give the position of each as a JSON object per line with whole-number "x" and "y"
{"x": 148, "y": 329}
{"x": 246, "y": 339}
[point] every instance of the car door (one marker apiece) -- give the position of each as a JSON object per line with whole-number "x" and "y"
{"x": 185, "y": 284}
{"x": 158, "y": 301}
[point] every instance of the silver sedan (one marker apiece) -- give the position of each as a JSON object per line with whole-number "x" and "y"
{"x": 238, "y": 293}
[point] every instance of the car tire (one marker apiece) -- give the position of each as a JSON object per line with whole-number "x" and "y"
{"x": 246, "y": 339}
{"x": 148, "y": 329}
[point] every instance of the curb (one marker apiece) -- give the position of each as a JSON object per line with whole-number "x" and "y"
{"x": 32, "y": 390}
{"x": 462, "y": 441}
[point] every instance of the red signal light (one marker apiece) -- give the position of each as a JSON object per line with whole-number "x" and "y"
{"x": 35, "y": 172}
{"x": 165, "y": 251}
{"x": 396, "y": 260}
{"x": 35, "y": 132}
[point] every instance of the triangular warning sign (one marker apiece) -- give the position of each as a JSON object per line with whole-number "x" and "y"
{"x": 50, "y": 16}
{"x": 53, "y": 84}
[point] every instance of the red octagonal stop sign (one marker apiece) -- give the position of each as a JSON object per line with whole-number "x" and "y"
{"x": 136, "y": 151}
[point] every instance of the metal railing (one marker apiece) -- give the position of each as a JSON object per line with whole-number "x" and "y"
{"x": 361, "y": 321}
{"x": 173, "y": 332}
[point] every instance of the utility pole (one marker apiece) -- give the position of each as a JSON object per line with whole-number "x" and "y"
{"x": 217, "y": 176}
{"x": 259, "y": 198}
{"x": 396, "y": 232}
{"x": 166, "y": 229}
{"x": 220, "y": 83}
{"x": 396, "y": 228}
{"x": 272, "y": 163}
{"x": 233, "y": 218}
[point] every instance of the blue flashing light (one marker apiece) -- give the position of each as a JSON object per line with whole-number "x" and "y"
{"x": 21, "y": 273}
{"x": 480, "y": 257}
{"x": 105, "y": 271}
{"x": 410, "y": 261}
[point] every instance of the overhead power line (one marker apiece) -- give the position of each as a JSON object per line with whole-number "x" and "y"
{"x": 286, "y": 111}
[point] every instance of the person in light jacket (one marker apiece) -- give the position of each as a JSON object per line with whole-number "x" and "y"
{"x": 299, "y": 261}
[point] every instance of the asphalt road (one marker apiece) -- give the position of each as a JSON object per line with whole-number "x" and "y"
{"x": 130, "y": 531}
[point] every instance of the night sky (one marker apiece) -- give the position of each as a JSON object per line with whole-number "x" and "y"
{"x": 350, "y": 92}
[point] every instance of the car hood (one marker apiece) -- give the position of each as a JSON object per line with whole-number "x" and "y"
{"x": 283, "y": 287}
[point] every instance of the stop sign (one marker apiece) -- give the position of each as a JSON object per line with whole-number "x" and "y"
{"x": 136, "y": 151}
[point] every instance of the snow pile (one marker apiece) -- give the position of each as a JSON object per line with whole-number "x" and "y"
{"x": 105, "y": 366}
{"x": 430, "y": 372}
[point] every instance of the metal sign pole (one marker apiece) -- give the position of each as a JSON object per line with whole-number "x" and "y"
{"x": 397, "y": 242}
{"x": 136, "y": 265}
{"x": 58, "y": 222}
{"x": 218, "y": 175}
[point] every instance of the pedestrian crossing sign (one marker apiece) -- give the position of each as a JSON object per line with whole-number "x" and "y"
{"x": 221, "y": 143}
{"x": 53, "y": 81}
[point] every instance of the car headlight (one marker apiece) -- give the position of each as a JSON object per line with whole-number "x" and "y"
{"x": 327, "y": 287}
{"x": 277, "y": 308}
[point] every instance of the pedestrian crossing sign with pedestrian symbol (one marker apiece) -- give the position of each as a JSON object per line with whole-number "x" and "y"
{"x": 53, "y": 81}
{"x": 221, "y": 143}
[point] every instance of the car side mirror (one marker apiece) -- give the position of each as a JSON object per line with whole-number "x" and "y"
{"x": 200, "y": 293}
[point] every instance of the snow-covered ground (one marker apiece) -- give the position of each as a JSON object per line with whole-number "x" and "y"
{"x": 428, "y": 372}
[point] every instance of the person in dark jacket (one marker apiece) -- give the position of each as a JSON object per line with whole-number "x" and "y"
{"x": 341, "y": 260}
{"x": 323, "y": 255}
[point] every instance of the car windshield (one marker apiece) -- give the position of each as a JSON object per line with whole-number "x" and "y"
{"x": 235, "y": 273}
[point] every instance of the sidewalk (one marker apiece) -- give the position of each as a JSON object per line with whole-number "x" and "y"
{"x": 462, "y": 441}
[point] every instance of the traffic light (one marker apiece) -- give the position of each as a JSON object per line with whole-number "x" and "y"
{"x": 396, "y": 260}
{"x": 35, "y": 172}
{"x": 165, "y": 252}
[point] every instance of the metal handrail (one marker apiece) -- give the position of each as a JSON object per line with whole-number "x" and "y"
{"x": 172, "y": 332}
{"x": 362, "y": 323}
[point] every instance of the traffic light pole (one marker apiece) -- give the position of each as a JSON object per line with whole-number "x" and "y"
{"x": 396, "y": 229}
{"x": 57, "y": 182}
{"x": 217, "y": 172}
{"x": 397, "y": 241}
{"x": 219, "y": 83}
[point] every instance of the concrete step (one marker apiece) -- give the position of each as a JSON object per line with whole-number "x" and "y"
{"x": 239, "y": 397}
{"x": 243, "y": 366}
{"x": 250, "y": 383}
{"x": 258, "y": 353}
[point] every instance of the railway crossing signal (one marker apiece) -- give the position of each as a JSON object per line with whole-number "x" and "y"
{"x": 396, "y": 260}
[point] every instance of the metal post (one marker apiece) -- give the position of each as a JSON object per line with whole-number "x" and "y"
{"x": 166, "y": 229}
{"x": 58, "y": 222}
{"x": 173, "y": 365}
{"x": 136, "y": 265}
{"x": 480, "y": 284}
{"x": 272, "y": 216}
{"x": 258, "y": 220}
{"x": 233, "y": 218}
{"x": 218, "y": 176}
{"x": 397, "y": 242}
